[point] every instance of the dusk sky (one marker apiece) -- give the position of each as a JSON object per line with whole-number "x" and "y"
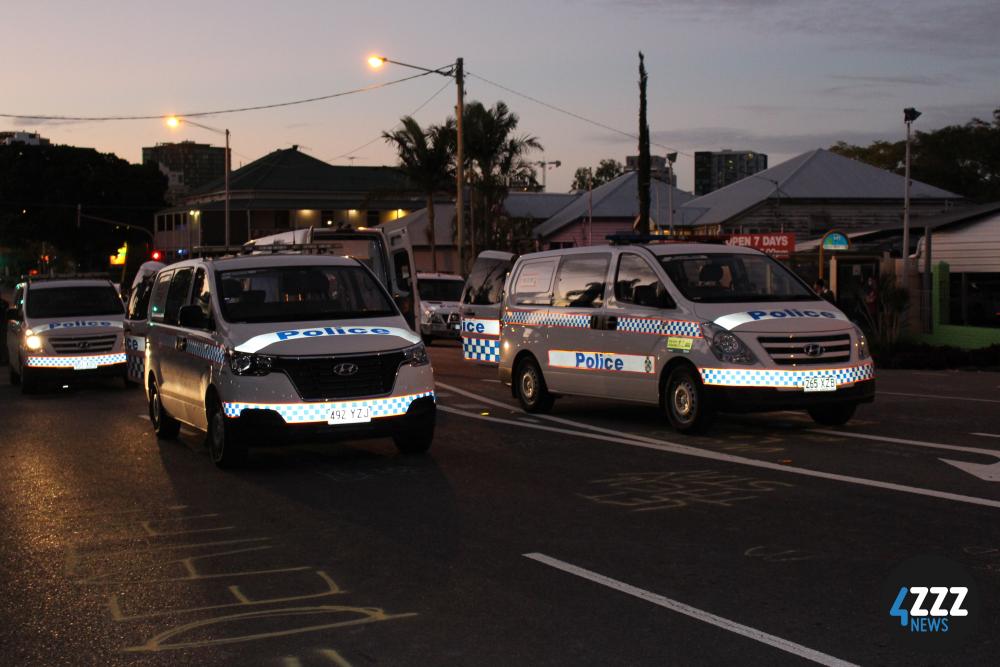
{"x": 778, "y": 76}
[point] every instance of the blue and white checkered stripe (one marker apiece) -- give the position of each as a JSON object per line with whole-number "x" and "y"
{"x": 307, "y": 413}
{"x": 545, "y": 318}
{"x": 207, "y": 351}
{"x": 136, "y": 366}
{"x": 86, "y": 361}
{"x": 751, "y": 377}
{"x": 659, "y": 327}
{"x": 481, "y": 349}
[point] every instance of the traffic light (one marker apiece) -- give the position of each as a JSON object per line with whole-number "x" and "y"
{"x": 156, "y": 256}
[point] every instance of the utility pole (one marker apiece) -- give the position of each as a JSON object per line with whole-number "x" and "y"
{"x": 671, "y": 158}
{"x": 227, "y": 189}
{"x": 460, "y": 164}
{"x": 909, "y": 115}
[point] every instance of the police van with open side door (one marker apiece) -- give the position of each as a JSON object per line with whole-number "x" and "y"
{"x": 693, "y": 328}
{"x": 386, "y": 250}
{"x": 255, "y": 348}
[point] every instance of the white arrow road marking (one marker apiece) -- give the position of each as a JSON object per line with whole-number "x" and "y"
{"x": 693, "y": 612}
{"x": 989, "y": 472}
{"x": 685, "y": 450}
{"x": 986, "y": 435}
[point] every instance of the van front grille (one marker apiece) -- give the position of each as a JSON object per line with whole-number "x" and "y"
{"x": 315, "y": 378}
{"x": 807, "y": 350}
{"x": 94, "y": 344}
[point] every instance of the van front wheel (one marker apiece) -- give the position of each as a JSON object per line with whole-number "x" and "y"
{"x": 224, "y": 445}
{"x": 531, "y": 388}
{"x": 686, "y": 403}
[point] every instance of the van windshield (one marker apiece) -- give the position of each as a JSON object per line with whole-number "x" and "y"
{"x": 74, "y": 301}
{"x": 299, "y": 293}
{"x": 440, "y": 289}
{"x": 734, "y": 277}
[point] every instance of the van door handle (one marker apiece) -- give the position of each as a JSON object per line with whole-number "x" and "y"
{"x": 181, "y": 343}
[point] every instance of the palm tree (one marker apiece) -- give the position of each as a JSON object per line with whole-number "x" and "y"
{"x": 425, "y": 158}
{"x": 495, "y": 156}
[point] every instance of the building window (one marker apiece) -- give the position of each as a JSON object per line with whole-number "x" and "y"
{"x": 974, "y": 299}
{"x": 559, "y": 245}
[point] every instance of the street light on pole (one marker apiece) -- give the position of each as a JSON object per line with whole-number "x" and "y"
{"x": 545, "y": 165}
{"x": 671, "y": 158}
{"x": 174, "y": 122}
{"x": 457, "y": 72}
{"x": 909, "y": 115}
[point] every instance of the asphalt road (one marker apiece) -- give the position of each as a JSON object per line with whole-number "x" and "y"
{"x": 594, "y": 536}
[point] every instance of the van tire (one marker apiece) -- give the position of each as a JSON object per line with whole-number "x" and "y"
{"x": 837, "y": 414}
{"x": 164, "y": 426}
{"x": 225, "y": 445}
{"x": 417, "y": 436}
{"x": 15, "y": 377}
{"x": 686, "y": 402}
{"x": 29, "y": 381}
{"x": 531, "y": 388}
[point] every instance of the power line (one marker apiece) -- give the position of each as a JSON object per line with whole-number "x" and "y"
{"x": 217, "y": 112}
{"x": 575, "y": 115}
{"x": 412, "y": 113}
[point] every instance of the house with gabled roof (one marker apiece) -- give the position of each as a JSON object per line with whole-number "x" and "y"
{"x": 811, "y": 194}
{"x": 611, "y": 208}
{"x": 285, "y": 190}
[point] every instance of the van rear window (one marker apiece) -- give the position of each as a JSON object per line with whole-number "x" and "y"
{"x": 485, "y": 284}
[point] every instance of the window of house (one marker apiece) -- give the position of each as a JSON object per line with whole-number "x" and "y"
{"x": 974, "y": 299}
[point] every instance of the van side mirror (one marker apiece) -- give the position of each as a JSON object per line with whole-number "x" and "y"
{"x": 192, "y": 317}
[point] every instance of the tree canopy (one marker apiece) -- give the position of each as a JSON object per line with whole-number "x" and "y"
{"x": 964, "y": 159}
{"x": 607, "y": 169}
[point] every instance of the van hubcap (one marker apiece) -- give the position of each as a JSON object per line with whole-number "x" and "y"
{"x": 154, "y": 409}
{"x": 683, "y": 400}
{"x": 528, "y": 385}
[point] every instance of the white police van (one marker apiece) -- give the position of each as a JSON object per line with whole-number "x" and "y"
{"x": 62, "y": 328}
{"x": 440, "y": 294}
{"x": 694, "y": 328}
{"x": 259, "y": 349}
{"x": 136, "y": 323}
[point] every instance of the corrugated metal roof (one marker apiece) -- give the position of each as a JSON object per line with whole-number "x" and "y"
{"x": 537, "y": 205}
{"x": 619, "y": 199}
{"x": 818, "y": 174}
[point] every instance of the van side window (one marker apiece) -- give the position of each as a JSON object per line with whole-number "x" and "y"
{"x": 636, "y": 283}
{"x": 202, "y": 297}
{"x": 580, "y": 281}
{"x": 177, "y": 295}
{"x": 533, "y": 286}
{"x": 401, "y": 263}
{"x": 158, "y": 298}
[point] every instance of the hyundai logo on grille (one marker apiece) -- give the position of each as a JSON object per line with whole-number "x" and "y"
{"x": 83, "y": 345}
{"x": 345, "y": 369}
{"x": 813, "y": 350}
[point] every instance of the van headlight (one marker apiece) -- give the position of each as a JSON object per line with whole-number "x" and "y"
{"x": 862, "y": 345}
{"x": 242, "y": 363}
{"x": 32, "y": 341}
{"x": 416, "y": 355}
{"x": 727, "y": 346}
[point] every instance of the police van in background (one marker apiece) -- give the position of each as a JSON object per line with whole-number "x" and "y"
{"x": 136, "y": 321}
{"x": 386, "y": 250}
{"x": 694, "y": 328}
{"x": 255, "y": 348}
{"x": 440, "y": 294}
{"x": 62, "y": 328}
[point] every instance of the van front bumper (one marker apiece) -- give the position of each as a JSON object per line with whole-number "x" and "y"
{"x": 265, "y": 424}
{"x": 767, "y": 399}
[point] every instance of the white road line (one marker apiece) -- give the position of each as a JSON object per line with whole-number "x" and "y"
{"x": 987, "y": 435}
{"x": 685, "y": 450}
{"x": 880, "y": 392}
{"x": 693, "y": 612}
{"x": 904, "y": 441}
